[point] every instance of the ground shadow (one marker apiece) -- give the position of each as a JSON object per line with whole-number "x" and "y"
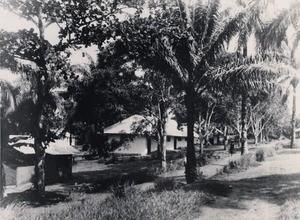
{"x": 275, "y": 189}
{"x": 31, "y": 198}
{"x": 99, "y": 181}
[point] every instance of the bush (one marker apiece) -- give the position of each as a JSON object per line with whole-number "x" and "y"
{"x": 204, "y": 159}
{"x": 175, "y": 165}
{"x": 260, "y": 155}
{"x": 121, "y": 190}
{"x": 243, "y": 163}
{"x": 278, "y": 146}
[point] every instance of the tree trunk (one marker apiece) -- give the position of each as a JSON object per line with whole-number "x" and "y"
{"x": 191, "y": 166}
{"x": 255, "y": 139}
{"x": 1, "y": 167}
{"x": 40, "y": 153}
{"x": 261, "y": 135}
{"x": 225, "y": 138}
{"x": 293, "y": 121}
{"x": 201, "y": 145}
{"x": 164, "y": 154}
{"x": 40, "y": 182}
{"x": 244, "y": 147}
{"x": 163, "y": 117}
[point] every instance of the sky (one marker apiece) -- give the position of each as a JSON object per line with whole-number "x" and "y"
{"x": 12, "y": 22}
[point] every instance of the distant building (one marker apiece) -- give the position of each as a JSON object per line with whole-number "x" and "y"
{"x": 19, "y": 160}
{"x": 136, "y": 136}
{"x": 297, "y": 133}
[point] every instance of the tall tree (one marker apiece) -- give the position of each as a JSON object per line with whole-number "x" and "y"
{"x": 46, "y": 67}
{"x": 183, "y": 40}
{"x": 277, "y": 43}
{"x": 161, "y": 99}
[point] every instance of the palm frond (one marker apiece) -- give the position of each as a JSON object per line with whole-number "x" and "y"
{"x": 275, "y": 30}
{"x": 295, "y": 46}
{"x": 256, "y": 77}
{"x": 212, "y": 22}
{"x": 224, "y": 36}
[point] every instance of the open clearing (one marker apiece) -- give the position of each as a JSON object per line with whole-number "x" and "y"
{"x": 259, "y": 192}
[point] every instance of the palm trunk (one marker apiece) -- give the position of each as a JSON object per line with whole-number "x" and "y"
{"x": 293, "y": 121}
{"x": 191, "y": 167}
{"x": 244, "y": 147}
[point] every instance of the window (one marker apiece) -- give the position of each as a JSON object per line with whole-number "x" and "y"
{"x": 179, "y": 138}
{"x": 168, "y": 139}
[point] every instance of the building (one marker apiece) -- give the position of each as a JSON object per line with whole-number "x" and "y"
{"x": 135, "y": 136}
{"x": 19, "y": 160}
{"x": 297, "y": 133}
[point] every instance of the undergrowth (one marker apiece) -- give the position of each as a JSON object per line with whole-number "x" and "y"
{"x": 242, "y": 163}
{"x": 132, "y": 204}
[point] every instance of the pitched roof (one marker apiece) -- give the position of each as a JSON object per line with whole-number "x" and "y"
{"x": 24, "y": 144}
{"x": 138, "y": 124}
{"x": 132, "y": 125}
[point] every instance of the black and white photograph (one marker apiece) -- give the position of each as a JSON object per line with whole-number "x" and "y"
{"x": 150, "y": 109}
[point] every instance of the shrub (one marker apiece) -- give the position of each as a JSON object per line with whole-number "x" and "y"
{"x": 243, "y": 163}
{"x": 121, "y": 189}
{"x": 175, "y": 165}
{"x": 278, "y": 146}
{"x": 260, "y": 155}
{"x": 204, "y": 159}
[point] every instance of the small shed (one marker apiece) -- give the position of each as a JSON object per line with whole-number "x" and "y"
{"x": 19, "y": 160}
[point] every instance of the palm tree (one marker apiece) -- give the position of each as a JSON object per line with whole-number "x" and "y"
{"x": 277, "y": 43}
{"x": 252, "y": 24}
{"x": 183, "y": 41}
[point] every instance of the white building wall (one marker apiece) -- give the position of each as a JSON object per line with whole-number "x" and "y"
{"x": 181, "y": 143}
{"x": 137, "y": 146}
{"x": 170, "y": 144}
{"x": 24, "y": 174}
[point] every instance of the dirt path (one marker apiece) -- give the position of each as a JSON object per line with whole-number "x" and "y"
{"x": 257, "y": 193}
